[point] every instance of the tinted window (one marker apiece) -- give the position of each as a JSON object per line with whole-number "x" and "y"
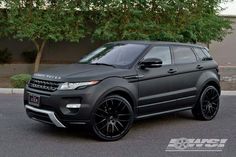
{"x": 115, "y": 54}
{"x": 183, "y": 55}
{"x": 200, "y": 54}
{"x": 206, "y": 52}
{"x": 161, "y": 52}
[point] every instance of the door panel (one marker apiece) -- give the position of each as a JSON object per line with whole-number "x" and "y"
{"x": 155, "y": 89}
{"x": 185, "y": 84}
{"x": 189, "y": 70}
{"x": 156, "y": 83}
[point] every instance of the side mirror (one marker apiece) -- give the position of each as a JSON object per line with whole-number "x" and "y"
{"x": 207, "y": 59}
{"x": 151, "y": 63}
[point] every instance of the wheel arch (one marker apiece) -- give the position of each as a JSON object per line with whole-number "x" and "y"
{"x": 210, "y": 82}
{"x": 208, "y": 77}
{"x": 123, "y": 92}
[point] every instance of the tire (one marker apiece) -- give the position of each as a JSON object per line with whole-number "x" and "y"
{"x": 112, "y": 118}
{"x": 207, "y": 105}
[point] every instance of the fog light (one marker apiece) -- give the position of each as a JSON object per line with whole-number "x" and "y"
{"x": 71, "y": 106}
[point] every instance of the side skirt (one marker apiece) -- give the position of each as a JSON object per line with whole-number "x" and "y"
{"x": 164, "y": 112}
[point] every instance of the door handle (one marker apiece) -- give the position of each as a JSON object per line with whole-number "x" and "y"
{"x": 171, "y": 71}
{"x": 199, "y": 66}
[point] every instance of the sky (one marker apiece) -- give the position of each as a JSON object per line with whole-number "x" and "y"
{"x": 230, "y": 8}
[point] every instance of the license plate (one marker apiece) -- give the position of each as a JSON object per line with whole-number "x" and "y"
{"x": 34, "y": 99}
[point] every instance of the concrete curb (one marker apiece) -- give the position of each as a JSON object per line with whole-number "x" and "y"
{"x": 21, "y": 90}
{"x": 11, "y": 90}
{"x": 228, "y": 92}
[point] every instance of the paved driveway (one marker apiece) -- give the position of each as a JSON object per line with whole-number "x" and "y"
{"x": 20, "y": 136}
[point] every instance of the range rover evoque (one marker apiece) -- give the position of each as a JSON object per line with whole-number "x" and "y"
{"x": 123, "y": 81}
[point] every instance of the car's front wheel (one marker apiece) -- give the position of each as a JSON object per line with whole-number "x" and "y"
{"x": 208, "y": 104}
{"x": 112, "y": 118}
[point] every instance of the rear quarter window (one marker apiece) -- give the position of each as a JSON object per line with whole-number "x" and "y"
{"x": 206, "y": 52}
{"x": 200, "y": 54}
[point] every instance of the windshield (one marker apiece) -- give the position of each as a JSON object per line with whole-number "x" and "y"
{"x": 114, "y": 54}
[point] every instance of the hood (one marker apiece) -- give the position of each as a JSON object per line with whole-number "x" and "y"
{"x": 81, "y": 72}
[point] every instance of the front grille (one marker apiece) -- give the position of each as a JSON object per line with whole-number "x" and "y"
{"x": 43, "y": 85}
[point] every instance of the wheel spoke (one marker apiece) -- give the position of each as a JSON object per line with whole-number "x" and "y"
{"x": 123, "y": 115}
{"x": 118, "y": 105}
{"x": 112, "y": 128}
{"x": 108, "y": 125}
{"x": 216, "y": 97}
{"x": 116, "y": 128}
{"x": 214, "y": 104}
{"x": 101, "y": 121}
{"x": 101, "y": 116}
{"x": 122, "y": 108}
{"x": 99, "y": 109}
{"x": 103, "y": 126}
{"x": 123, "y": 120}
{"x": 120, "y": 124}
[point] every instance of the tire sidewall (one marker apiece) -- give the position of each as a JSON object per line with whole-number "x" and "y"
{"x": 92, "y": 119}
{"x": 201, "y": 102}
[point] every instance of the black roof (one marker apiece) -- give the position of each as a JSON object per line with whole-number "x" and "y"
{"x": 157, "y": 43}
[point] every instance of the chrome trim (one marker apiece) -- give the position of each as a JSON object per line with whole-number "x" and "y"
{"x": 73, "y": 106}
{"x": 168, "y": 101}
{"x": 159, "y": 113}
{"x": 134, "y": 77}
{"x": 139, "y": 76}
{"x": 51, "y": 115}
{"x": 77, "y": 123}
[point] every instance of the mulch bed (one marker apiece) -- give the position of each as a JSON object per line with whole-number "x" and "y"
{"x": 5, "y": 82}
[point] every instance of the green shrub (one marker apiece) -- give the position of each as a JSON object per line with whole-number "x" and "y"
{"x": 20, "y": 80}
{"x": 29, "y": 56}
{"x": 5, "y": 56}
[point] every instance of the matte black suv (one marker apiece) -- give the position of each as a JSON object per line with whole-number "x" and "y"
{"x": 123, "y": 81}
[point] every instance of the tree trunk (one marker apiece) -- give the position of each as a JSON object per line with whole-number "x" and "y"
{"x": 40, "y": 48}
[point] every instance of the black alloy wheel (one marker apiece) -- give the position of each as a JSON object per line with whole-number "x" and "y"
{"x": 112, "y": 118}
{"x": 208, "y": 104}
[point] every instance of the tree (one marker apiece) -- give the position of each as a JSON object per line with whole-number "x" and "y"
{"x": 3, "y": 21}
{"x": 41, "y": 21}
{"x": 172, "y": 20}
{"x": 165, "y": 20}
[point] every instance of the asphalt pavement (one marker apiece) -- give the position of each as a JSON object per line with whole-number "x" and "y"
{"x": 23, "y": 137}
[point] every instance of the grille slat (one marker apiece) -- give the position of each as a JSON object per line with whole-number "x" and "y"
{"x": 43, "y": 85}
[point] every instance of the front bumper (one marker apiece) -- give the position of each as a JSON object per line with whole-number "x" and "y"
{"x": 51, "y": 115}
{"x": 53, "y": 106}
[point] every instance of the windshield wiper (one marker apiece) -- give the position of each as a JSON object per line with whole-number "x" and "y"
{"x": 103, "y": 64}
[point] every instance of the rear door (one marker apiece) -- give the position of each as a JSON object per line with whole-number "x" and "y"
{"x": 189, "y": 70}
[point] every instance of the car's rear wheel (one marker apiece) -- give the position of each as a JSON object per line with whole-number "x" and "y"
{"x": 112, "y": 118}
{"x": 208, "y": 104}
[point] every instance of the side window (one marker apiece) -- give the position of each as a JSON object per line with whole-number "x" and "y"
{"x": 206, "y": 52}
{"x": 200, "y": 54}
{"x": 161, "y": 52}
{"x": 183, "y": 54}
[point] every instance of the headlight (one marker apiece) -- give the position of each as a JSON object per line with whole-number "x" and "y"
{"x": 71, "y": 86}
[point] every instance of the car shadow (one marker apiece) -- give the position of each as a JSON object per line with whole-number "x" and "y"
{"x": 75, "y": 132}
{"x": 177, "y": 117}
{"x": 82, "y": 133}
